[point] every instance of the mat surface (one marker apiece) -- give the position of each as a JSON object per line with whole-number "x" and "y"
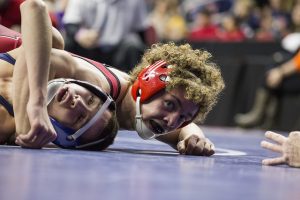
{"x": 148, "y": 170}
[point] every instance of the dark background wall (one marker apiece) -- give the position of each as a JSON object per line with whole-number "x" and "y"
{"x": 243, "y": 66}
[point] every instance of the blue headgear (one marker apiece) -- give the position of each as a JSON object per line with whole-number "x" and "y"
{"x": 70, "y": 138}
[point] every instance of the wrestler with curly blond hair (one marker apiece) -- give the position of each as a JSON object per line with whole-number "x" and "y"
{"x": 193, "y": 81}
{"x": 192, "y": 69}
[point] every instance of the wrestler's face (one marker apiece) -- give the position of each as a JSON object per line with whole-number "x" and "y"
{"x": 74, "y": 106}
{"x": 167, "y": 111}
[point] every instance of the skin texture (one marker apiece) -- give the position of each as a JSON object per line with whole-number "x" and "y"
{"x": 74, "y": 106}
{"x": 287, "y": 147}
{"x": 169, "y": 109}
{"x": 35, "y": 24}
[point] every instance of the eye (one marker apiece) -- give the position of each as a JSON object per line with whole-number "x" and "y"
{"x": 91, "y": 100}
{"x": 169, "y": 105}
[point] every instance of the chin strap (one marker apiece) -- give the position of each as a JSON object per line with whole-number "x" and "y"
{"x": 143, "y": 131}
{"x": 92, "y": 121}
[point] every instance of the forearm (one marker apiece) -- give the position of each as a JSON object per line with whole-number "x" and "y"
{"x": 20, "y": 95}
{"x": 37, "y": 42}
{"x": 190, "y": 129}
{"x": 170, "y": 139}
{"x": 173, "y": 138}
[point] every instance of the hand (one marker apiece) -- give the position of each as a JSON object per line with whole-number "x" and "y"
{"x": 87, "y": 38}
{"x": 274, "y": 77}
{"x": 195, "y": 145}
{"x": 288, "y": 147}
{"x": 41, "y": 130}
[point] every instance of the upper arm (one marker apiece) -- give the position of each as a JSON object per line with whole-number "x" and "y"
{"x": 64, "y": 65}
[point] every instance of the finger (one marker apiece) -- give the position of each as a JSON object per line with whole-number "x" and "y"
{"x": 44, "y": 138}
{"x": 181, "y": 147}
{"x": 211, "y": 147}
{"x": 208, "y": 149}
{"x": 49, "y": 138}
{"x": 33, "y": 139}
{"x": 272, "y": 147}
{"x": 191, "y": 144}
{"x": 212, "y": 150}
{"x": 52, "y": 136}
{"x": 27, "y": 137}
{"x": 40, "y": 140}
{"x": 275, "y": 137}
{"x": 273, "y": 161}
{"x": 23, "y": 144}
{"x": 199, "y": 148}
{"x": 210, "y": 153}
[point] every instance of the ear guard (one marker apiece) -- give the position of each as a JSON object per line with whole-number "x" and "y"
{"x": 150, "y": 80}
{"x": 67, "y": 137}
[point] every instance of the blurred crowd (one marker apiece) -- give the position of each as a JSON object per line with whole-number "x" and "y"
{"x": 213, "y": 20}
{"x": 116, "y": 31}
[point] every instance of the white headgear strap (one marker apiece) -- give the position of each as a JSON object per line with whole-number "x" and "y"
{"x": 143, "y": 131}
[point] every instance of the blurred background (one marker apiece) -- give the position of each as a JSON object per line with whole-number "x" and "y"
{"x": 247, "y": 38}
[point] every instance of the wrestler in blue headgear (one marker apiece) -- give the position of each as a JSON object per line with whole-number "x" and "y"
{"x": 66, "y": 136}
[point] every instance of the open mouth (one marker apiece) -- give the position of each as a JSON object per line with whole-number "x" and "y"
{"x": 156, "y": 127}
{"x": 62, "y": 94}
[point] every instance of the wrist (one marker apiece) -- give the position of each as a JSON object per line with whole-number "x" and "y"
{"x": 37, "y": 99}
{"x": 186, "y": 136}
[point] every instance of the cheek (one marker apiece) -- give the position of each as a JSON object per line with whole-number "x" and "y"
{"x": 61, "y": 114}
{"x": 95, "y": 132}
{"x": 150, "y": 111}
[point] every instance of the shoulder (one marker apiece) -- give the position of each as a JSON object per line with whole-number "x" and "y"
{"x": 62, "y": 58}
{"x": 124, "y": 80}
{"x": 63, "y": 64}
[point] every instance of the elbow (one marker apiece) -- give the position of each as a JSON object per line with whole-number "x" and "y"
{"x": 57, "y": 39}
{"x": 33, "y": 5}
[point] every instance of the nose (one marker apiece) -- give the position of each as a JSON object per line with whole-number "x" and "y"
{"x": 174, "y": 120}
{"x": 78, "y": 103}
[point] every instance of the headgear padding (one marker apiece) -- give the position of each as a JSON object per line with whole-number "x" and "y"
{"x": 150, "y": 80}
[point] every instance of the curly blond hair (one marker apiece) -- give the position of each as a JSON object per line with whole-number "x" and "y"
{"x": 192, "y": 70}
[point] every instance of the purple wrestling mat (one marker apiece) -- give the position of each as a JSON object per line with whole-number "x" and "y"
{"x": 148, "y": 170}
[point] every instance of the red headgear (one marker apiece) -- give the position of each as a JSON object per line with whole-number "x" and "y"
{"x": 150, "y": 80}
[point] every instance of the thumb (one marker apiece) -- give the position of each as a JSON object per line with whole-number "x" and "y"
{"x": 181, "y": 147}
